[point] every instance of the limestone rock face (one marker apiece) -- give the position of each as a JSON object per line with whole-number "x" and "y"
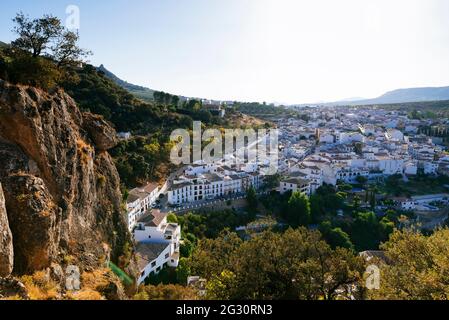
{"x": 61, "y": 187}
{"x": 6, "y": 247}
{"x": 101, "y": 133}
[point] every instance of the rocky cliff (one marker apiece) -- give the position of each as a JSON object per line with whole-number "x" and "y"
{"x": 61, "y": 188}
{"x": 6, "y": 247}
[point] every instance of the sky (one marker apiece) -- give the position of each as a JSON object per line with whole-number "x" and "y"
{"x": 283, "y": 51}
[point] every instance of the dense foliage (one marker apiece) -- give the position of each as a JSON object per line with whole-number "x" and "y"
{"x": 296, "y": 264}
{"x": 415, "y": 267}
{"x": 265, "y": 111}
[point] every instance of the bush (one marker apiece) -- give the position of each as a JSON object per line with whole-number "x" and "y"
{"x": 38, "y": 72}
{"x": 40, "y": 286}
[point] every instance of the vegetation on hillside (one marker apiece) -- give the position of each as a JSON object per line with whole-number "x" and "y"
{"x": 43, "y": 55}
{"x": 265, "y": 111}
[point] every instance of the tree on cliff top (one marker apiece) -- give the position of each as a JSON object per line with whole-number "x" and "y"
{"x": 36, "y": 35}
{"x": 47, "y": 36}
{"x": 44, "y": 55}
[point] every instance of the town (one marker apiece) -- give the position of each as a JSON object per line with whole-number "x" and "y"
{"x": 358, "y": 146}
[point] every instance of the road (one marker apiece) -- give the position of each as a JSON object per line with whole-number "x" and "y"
{"x": 237, "y": 202}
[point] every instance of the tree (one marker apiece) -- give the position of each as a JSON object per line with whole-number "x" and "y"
{"x": 361, "y": 180}
{"x": 175, "y": 100}
{"x": 66, "y": 53}
{"x": 367, "y": 232}
{"x": 186, "y": 248}
{"x": 182, "y": 271}
{"x": 272, "y": 182}
{"x": 35, "y": 36}
{"x": 213, "y": 255}
{"x": 172, "y": 218}
{"x": 356, "y": 202}
{"x": 317, "y": 209}
{"x": 46, "y": 36}
{"x": 166, "y": 292}
{"x": 358, "y": 148}
{"x": 221, "y": 287}
{"x": 251, "y": 199}
{"x": 335, "y": 237}
{"x": 296, "y": 264}
{"x": 373, "y": 200}
{"x": 298, "y": 212}
{"x": 415, "y": 267}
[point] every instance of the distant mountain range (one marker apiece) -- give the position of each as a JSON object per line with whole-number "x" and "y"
{"x": 3, "y": 45}
{"x": 401, "y": 96}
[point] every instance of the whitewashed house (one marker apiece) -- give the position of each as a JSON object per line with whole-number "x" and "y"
{"x": 394, "y": 135}
{"x": 139, "y": 201}
{"x": 296, "y": 183}
{"x": 157, "y": 244}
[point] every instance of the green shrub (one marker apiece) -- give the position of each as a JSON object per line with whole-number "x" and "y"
{"x": 38, "y": 72}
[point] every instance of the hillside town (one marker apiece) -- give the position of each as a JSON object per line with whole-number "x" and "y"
{"x": 355, "y": 146}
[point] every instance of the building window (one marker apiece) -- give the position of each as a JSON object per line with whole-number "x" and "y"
{"x": 167, "y": 256}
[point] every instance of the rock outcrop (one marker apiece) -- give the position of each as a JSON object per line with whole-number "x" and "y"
{"x": 6, "y": 247}
{"x": 10, "y": 287}
{"x": 101, "y": 133}
{"x": 61, "y": 187}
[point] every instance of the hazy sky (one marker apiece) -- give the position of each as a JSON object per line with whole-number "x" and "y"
{"x": 291, "y": 51}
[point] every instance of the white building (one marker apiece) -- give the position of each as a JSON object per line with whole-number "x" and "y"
{"x": 413, "y": 203}
{"x": 350, "y": 137}
{"x": 139, "y": 201}
{"x": 203, "y": 185}
{"x": 405, "y": 204}
{"x": 394, "y": 135}
{"x": 327, "y": 138}
{"x": 411, "y": 168}
{"x": 390, "y": 166}
{"x": 124, "y": 135}
{"x": 430, "y": 167}
{"x": 350, "y": 175}
{"x": 296, "y": 183}
{"x": 157, "y": 244}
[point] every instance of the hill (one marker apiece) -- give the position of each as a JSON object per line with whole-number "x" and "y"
{"x": 146, "y": 155}
{"x": 3, "y": 45}
{"x": 138, "y": 91}
{"x": 412, "y": 95}
{"x": 403, "y": 96}
{"x": 147, "y": 94}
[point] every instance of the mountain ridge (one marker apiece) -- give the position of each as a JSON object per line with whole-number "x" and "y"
{"x": 140, "y": 91}
{"x": 145, "y": 93}
{"x": 405, "y": 95}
